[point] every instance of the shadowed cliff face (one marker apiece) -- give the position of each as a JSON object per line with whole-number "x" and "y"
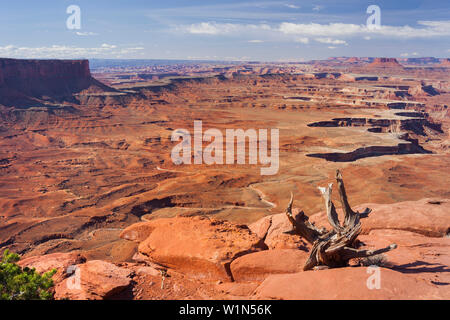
{"x": 384, "y": 63}
{"x": 17, "y": 70}
{"x": 415, "y": 126}
{"x": 24, "y": 83}
{"x": 372, "y": 151}
{"x": 408, "y": 130}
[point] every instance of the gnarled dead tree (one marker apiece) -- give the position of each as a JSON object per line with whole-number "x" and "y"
{"x": 336, "y": 247}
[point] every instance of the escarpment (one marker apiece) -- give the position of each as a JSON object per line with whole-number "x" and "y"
{"x": 385, "y": 63}
{"x": 416, "y": 125}
{"x": 417, "y": 128}
{"x": 26, "y": 83}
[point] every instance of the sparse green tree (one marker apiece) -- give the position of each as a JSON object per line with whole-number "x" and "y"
{"x": 17, "y": 283}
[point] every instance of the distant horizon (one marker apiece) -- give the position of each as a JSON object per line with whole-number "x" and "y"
{"x": 230, "y": 61}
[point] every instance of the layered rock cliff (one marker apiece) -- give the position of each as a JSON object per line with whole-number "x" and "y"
{"x": 385, "y": 63}
{"x": 27, "y": 82}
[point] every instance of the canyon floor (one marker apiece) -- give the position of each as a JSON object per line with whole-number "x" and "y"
{"x": 74, "y": 176}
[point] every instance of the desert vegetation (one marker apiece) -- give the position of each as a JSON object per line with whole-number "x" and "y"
{"x": 17, "y": 283}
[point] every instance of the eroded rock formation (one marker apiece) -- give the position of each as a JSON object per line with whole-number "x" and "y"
{"x": 33, "y": 82}
{"x": 384, "y": 63}
{"x": 171, "y": 270}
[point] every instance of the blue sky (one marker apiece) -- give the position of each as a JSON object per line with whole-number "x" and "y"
{"x": 290, "y": 30}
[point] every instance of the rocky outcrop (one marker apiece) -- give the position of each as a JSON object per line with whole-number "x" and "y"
{"x": 257, "y": 266}
{"x": 59, "y": 261}
{"x": 202, "y": 258}
{"x": 94, "y": 280}
{"x": 15, "y": 71}
{"x": 427, "y": 258}
{"x": 422, "y": 90}
{"x": 77, "y": 279}
{"x": 408, "y": 130}
{"x": 384, "y": 63}
{"x": 275, "y": 230}
{"x": 372, "y": 151}
{"x": 137, "y": 232}
{"x": 416, "y": 125}
{"x": 32, "y": 82}
{"x": 346, "y": 283}
{"x": 428, "y": 217}
{"x": 422, "y": 61}
{"x": 198, "y": 246}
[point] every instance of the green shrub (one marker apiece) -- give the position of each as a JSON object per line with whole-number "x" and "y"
{"x": 17, "y": 283}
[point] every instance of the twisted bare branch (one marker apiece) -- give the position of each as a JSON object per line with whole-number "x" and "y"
{"x": 331, "y": 210}
{"x": 350, "y": 253}
{"x": 301, "y": 225}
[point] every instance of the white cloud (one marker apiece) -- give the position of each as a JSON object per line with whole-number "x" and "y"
{"x": 212, "y": 28}
{"x": 428, "y": 29}
{"x": 330, "y": 41}
{"x": 292, "y": 6}
{"x": 415, "y": 54}
{"x": 85, "y": 34}
{"x": 293, "y": 31}
{"x": 443, "y": 25}
{"x": 315, "y": 29}
{"x": 332, "y": 47}
{"x": 65, "y": 52}
{"x": 317, "y": 8}
{"x": 255, "y": 41}
{"x": 109, "y": 46}
{"x": 302, "y": 40}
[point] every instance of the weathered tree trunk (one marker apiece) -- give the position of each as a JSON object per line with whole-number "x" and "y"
{"x": 336, "y": 247}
